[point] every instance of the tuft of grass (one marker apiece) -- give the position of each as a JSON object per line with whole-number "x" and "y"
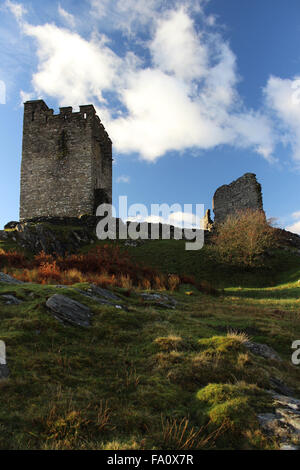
{"x": 239, "y": 336}
{"x": 170, "y": 343}
{"x": 181, "y": 435}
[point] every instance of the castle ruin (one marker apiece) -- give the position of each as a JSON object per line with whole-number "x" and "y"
{"x": 66, "y": 166}
{"x": 243, "y": 193}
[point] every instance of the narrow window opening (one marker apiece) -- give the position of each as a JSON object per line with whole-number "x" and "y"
{"x": 32, "y": 116}
{"x": 84, "y": 115}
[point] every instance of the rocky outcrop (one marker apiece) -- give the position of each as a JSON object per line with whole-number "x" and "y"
{"x": 102, "y": 296}
{"x": 284, "y": 422}
{"x": 69, "y": 311}
{"x": 61, "y": 235}
{"x": 53, "y": 235}
{"x": 243, "y": 193}
{"x": 288, "y": 239}
{"x": 8, "y": 279}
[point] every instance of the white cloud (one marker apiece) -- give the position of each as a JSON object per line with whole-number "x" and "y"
{"x": 295, "y": 228}
{"x": 72, "y": 69}
{"x": 161, "y": 117}
{"x": 134, "y": 16}
{"x": 66, "y": 16}
{"x": 99, "y": 7}
{"x": 185, "y": 220}
{"x": 177, "y": 219}
{"x": 25, "y": 97}
{"x": 123, "y": 179}
{"x": 176, "y": 47}
{"x": 183, "y": 96}
{"x": 254, "y": 130}
{"x": 283, "y": 99}
{"x": 17, "y": 9}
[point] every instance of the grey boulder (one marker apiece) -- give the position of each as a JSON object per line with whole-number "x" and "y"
{"x": 262, "y": 350}
{"x": 69, "y": 311}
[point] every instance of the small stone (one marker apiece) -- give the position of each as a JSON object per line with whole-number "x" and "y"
{"x": 163, "y": 301}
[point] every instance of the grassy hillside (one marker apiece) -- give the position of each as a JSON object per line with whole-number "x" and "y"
{"x": 148, "y": 377}
{"x": 170, "y": 256}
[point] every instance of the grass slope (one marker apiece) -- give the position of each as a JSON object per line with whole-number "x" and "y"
{"x": 150, "y": 378}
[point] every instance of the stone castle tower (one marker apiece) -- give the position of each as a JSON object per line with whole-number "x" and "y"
{"x": 66, "y": 166}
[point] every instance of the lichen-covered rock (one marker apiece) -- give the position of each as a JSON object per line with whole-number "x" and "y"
{"x": 284, "y": 422}
{"x": 10, "y": 299}
{"x": 243, "y": 193}
{"x": 68, "y": 310}
{"x": 102, "y": 296}
{"x": 100, "y": 292}
{"x": 262, "y": 350}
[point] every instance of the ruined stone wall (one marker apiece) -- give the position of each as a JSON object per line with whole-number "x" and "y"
{"x": 61, "y": 173}
{"x": 243, "y": 193}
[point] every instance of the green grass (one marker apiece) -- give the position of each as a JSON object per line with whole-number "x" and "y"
{"x": 170, "y": 256}
{"x": 140, "y": 379}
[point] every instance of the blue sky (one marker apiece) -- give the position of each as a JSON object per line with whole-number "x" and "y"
{"x": 193, "y": 93}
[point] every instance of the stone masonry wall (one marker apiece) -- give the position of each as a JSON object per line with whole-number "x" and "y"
{"x": 243, "y": 193}
{"x": 66, "y": 162}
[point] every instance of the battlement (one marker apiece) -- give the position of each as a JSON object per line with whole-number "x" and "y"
{"x": 66, "y": 161}
{"x": 37, "y": 112}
